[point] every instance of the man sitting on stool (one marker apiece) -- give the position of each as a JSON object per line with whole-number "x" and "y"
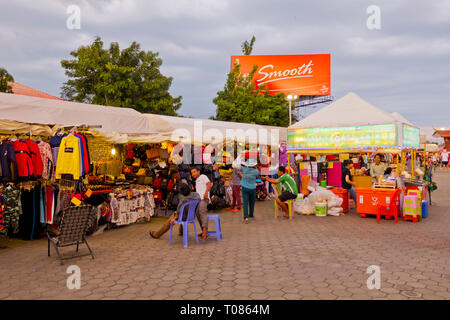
{"x": 289, "y": 189}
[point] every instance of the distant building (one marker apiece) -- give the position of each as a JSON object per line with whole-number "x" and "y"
{"x": 444, "y": 133}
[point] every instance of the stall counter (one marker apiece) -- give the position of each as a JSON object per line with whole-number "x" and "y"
{"x": 369, "y": 198}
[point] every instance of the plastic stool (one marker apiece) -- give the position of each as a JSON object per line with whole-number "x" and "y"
{"x": 192, "y": 206}
{"x": 411, "y": 208}
{"x": 218, "y": 232}
{"x": 289, "y": 204}
{"x": 418, "y": 193}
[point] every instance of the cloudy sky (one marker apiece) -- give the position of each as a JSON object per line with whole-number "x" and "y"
{"x": 403, "y": 67}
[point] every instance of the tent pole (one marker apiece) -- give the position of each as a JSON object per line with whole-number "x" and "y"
{"x": 413, "y": 159}
{"x": 397, "y": 165}
{"x": 289, "y": 163}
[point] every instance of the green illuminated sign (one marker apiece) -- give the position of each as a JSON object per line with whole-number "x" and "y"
{"x": 411, "y": 136}
{"x": 342, "y": 137}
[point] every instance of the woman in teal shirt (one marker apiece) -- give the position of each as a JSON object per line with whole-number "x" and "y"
{"x": 248, "y": 183}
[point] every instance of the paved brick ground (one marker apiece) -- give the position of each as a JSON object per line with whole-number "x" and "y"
{"x": 306, "y": 258}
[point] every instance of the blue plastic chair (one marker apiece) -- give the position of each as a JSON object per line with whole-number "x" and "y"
{"x": 190, "y": 219}
{"x": 218, "y": 232}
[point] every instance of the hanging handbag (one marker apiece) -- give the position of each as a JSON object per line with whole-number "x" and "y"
{"x": 152, "y": 153}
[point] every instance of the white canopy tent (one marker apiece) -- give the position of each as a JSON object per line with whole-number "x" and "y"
{"x": 38, "y": 116}
{"x": 353, "y": 111}
{"x": 191, "y": 130}
{"x": 350, "y": 110}
{"x": 401, "y": 118}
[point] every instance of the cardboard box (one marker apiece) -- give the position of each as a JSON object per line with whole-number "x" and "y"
{"x": 362, "y": 181}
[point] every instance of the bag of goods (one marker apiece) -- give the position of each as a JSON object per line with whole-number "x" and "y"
{"x": 303, "y": 206}
{"x": 336, "y": 211}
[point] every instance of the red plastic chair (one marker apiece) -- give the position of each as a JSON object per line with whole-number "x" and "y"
{"x": 390, "y": 209}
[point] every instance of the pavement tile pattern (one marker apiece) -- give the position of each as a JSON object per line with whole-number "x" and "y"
{"x": 306, "y": 258}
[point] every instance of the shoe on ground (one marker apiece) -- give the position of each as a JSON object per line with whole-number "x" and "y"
{"x": 152, "y": 234}
{"x": 236, "y": 210}
{"x": 229, "y": 209}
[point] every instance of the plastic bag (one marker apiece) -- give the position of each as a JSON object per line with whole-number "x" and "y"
{"x": 303, "y": 206}
{"x": 335, "y": 211}
{"x": 321, "y": 194}
{"x": 335, "y": 202}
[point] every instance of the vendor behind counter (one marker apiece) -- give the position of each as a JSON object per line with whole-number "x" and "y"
{"x": 377, "y": 168}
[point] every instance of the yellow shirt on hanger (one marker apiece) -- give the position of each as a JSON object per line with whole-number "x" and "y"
{"x": 69, "y": 157}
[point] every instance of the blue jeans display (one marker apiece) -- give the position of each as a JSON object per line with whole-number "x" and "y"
{"x": 248, "y": 199}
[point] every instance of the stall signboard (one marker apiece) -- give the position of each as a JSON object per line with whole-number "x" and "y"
{"x": 306, "y": 75}
{"x": 411, "y": 136}
{"x": 342, "y": 137}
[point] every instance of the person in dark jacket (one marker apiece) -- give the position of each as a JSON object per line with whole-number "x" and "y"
{"x": 185, "y": 195}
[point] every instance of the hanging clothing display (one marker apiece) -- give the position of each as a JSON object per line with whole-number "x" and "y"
{"x": 23, "y": 159}
{"x": 69, "y": 157}
{"x": 128, "y": 206}
{"x": 11, "y": 197}
{"x": 29, "y": 222}
{"x": 55, "y": 142}
{"x": 47, "y": 160}
{"x": 85, "y": 152}
{"x": 7, "y": 160}
{"x": 36, "y": 159}
{"x": 2, "y": 207}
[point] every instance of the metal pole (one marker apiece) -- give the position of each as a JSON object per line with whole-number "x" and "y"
{"x": 397, "y": 165}
{"x": 290, "y": 116}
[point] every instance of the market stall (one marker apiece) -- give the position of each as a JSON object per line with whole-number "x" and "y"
{"x": 56, "y": 154}
{"x": 351, "y": 128}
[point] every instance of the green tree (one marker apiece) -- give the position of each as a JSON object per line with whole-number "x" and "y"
{"x": 241, "y": 101}
{"x": 247, "y": 46}
{"x": 122, "y": 78}
{"x": 5, "y": 77}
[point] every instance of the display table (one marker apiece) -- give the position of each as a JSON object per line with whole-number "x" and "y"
{"x": 369, "y": 198}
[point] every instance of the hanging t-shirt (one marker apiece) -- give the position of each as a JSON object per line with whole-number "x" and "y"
{"x": 444, "y": 156}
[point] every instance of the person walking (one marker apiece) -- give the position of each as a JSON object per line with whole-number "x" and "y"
{"x": 236, "y": 191}
{"x": 249, "y": 174}
{"x": 444, "y": 158}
